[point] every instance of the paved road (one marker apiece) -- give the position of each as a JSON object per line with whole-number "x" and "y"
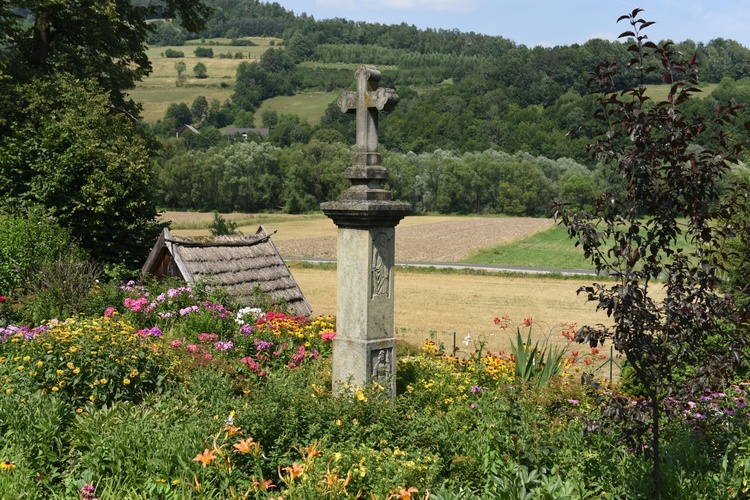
{"x": 458, "y": 265}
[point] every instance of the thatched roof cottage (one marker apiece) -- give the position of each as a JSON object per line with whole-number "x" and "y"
{"x": 238, "y": 263}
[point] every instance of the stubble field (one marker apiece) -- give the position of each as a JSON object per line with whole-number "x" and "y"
{"x": 431, "y": 304}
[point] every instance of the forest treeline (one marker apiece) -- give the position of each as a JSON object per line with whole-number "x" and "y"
{"x": 249, "y": 176}
{"x": 462, "y": 94}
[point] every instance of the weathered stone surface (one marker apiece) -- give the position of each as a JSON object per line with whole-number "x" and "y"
{"x": 364, "y": 349}
{"x": 364, "y": 214}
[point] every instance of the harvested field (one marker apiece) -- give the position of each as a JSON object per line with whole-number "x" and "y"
{"x": 418, "y": 239}
{"x": 436, "y": 305}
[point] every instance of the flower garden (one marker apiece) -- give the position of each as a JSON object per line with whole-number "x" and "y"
{"x": 172, "y": 392}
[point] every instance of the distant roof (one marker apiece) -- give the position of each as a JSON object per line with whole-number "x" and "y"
{"x": 242, "y": 131}
{"x": 238, "y": 263}
{"x": 186, "y": 127}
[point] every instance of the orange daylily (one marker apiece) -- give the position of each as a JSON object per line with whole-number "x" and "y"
{"x": 248, "y": 446}
{"x": 231, "y": 430}
{"x": 334, "y": 483}
{"x": 294, "y": 471}
{"x": 205, "y": 458}
{"x": 404, "y": 494}
{"x": 309, "y": 452}
{"x": 263, "y": 485}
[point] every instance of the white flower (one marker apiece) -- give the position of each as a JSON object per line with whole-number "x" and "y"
{"x": 467, "y": 340}
{"x": 253, "y": 312}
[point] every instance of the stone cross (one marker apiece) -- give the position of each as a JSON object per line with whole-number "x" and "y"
{"x": 364, "y": 349}
{"x": 366, "y": 102}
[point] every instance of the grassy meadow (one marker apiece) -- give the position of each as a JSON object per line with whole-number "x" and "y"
{"x": 157, "y": 91}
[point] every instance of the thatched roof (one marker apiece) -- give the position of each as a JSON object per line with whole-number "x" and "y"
{"x": 238, "y": 263}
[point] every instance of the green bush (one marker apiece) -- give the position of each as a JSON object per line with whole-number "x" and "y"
{"x": 204, "y": 52}
{"x": 27, "y": 243}
{"x": 171, "y": 53}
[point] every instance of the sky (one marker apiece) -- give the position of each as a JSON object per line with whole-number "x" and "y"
{"x": 547, "y": 22}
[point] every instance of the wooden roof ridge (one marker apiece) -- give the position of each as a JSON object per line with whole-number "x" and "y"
{"x": 224, "y": 243}
{"x": 238, "y": 266}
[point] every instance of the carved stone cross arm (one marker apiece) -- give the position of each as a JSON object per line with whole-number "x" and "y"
{"x": 366, "y": 102}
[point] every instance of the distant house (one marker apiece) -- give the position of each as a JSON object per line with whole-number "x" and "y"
{"x": 238, "y": 263}
{"x": 245, "y": 132}
{"x": 186, "y": 128}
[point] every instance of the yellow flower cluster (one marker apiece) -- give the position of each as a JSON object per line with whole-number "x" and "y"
{"x": 87, "y": 360}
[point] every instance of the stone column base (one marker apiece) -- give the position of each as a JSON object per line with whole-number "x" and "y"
{"x": 358, "y": 362}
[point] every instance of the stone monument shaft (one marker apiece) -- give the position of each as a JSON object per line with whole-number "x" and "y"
{"x": 364, "y": 349}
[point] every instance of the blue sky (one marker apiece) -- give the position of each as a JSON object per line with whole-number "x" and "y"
{"x": 547, "y": 22}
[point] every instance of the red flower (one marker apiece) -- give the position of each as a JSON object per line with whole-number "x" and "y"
{"x": 527, "y": 322}
{"x": 2, "y": 299}
{"x": 594, "y": 350}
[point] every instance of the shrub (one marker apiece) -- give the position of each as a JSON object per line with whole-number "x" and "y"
{"x": 204, "y": 52}
{"x": 222, "y": 227}
{"x": 171, "y": 53}
{"x": 85, "y": 361}
{"x": 27, "y": 243}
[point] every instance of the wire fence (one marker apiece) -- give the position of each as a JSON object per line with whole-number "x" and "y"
{"x": 450, "y": 343}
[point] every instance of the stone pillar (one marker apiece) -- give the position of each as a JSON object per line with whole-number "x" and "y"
{"x": 364, "y": 349}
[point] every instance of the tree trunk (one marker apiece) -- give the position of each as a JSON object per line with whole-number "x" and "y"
{"x": 41, "y": 41}
{"x": 655, "y": 407}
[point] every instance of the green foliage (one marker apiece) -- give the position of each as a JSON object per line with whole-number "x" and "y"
{"x": 180, "y": 67}
{"x": 673, "y": 193}
{"x": 221, "y": 226}
{"x": 200, "y": 71}
{"x": 171, "y": 53}
{"x": 29, "y": 242}
{"x": 535, "y": 364}
{"x": 204, "y": 52}
{"x": 88, "y": 167}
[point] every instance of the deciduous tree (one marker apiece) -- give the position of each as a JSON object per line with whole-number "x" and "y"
{"x": 673, "y": 193}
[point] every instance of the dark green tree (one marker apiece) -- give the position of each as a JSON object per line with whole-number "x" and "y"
{"x": 673, "y": 192}
{"x": 199, "y": 109}
{"x": 200, "y": 70}
{"x": 88, "y": 167}
{"x": 180, "y": 113}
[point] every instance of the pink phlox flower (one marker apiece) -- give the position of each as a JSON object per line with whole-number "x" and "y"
{"x": 223, "y": 346}
{"x": 262, "y": 345}
{"x": 246, "y": 329}
{"x": 251, "y": 363}
{"x": 176, "y": 343}
{"x": 327, "y": 336}
{"x": 191, "y": 347}
{"x": 135, "y": 305}
{"x": 207, "y": 337}
{"x": 208, "y": 356}
{"x": 109, "y": 312}
{"x": 151, "y": 332}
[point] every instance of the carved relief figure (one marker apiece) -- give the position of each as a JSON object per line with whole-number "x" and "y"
{"x": 380, "y": 277}
{"x": 381, "y": 367}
